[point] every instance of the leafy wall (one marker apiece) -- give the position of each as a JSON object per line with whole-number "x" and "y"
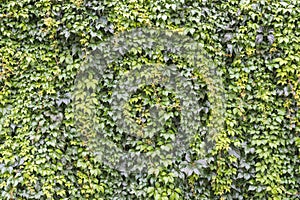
{"x": 255, "y": 44}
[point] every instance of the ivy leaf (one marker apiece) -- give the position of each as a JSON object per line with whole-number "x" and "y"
{"x": 259, "y": 38}
{"x": 271, "y": 39}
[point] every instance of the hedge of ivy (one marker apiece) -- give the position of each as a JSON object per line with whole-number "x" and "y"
{"x": 254, "y": 44}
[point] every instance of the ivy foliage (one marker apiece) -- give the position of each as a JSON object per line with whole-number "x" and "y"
{"x": 255, "y": 46}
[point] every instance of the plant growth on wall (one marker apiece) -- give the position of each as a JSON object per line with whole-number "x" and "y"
{"x": 254, "y": 45}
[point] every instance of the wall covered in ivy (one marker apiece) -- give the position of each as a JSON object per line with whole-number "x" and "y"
{"x": 255, "y": 45}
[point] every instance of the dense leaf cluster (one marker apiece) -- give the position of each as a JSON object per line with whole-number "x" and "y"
{"x": 254, "y": 44}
